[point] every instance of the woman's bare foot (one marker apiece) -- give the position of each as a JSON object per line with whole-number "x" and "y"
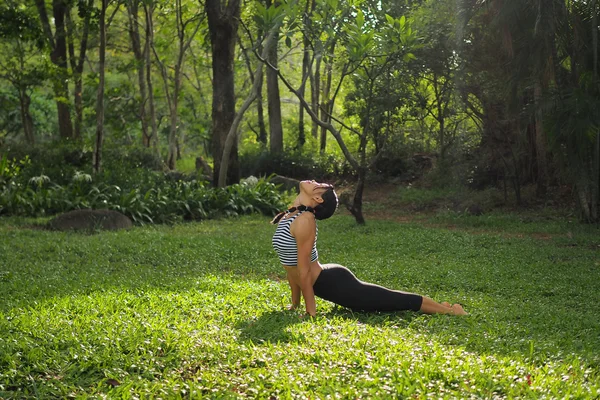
{"x": 457, "y": 309}
{"x": 429, "y": 306}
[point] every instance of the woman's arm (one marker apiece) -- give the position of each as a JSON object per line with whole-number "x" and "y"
{"x": 295, "y": 291}
{"x": 304, "y": 230}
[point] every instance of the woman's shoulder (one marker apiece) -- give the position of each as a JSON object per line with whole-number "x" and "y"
{"x": 305, "y": 220}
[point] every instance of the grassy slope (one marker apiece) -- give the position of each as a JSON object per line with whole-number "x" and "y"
{"x": 197, "y": 310}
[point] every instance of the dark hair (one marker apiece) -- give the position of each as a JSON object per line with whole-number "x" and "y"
{"x": 328, "y": 206}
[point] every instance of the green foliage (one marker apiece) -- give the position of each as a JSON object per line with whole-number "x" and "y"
{"x": 294, "y": 165}
{"x": 10, "y": 118}
{"x": 392, "y": 164}
{"x": 198, "y": 310}
{"x": 19, "y": 22}
{"x": 10, "y": 169}
{"x": 379, "y": 49}
{"x": 60, "y": 161}
{"x": 165, "y": 202}
{"x": 54, "y": 179}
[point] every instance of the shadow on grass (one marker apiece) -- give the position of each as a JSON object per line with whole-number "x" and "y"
{"x": 273, "y": 326}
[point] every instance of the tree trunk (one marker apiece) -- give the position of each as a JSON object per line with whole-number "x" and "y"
{"x": 582, "y": 195}
{"x": 223, "y": 21}
{"x": 58, "y": 56}
{"x": 262, "y": 129}
{"x": 310, "y": 6}
{"x": 172, "y": 154}
{"x": 540, "y": 144}
{"x": 77, "y": 63}
{"x": 78, "y": 104}
{"x": 356, "y": 208}
{"x": 305, "y": 71}
{"x": 232, "y": 135}
{"x": 315, "y": 84}
{"x": 173, "y": 103}
{"x": 516, "y": 178}
{"x": 273, "y": 99}
{"x": 26, "y": 119}
{"x": 171, "y": 141}
{"x": 596, "y": 179}
{"x": 148, "y": 11}
{"x": 136, "y": 46}
{"x": 440, "y": 119}
{"x": 183, "y": 45}
{"x": 97, "y": 158}
{"x": 327, "y": 103}
{"x": 77, "y": 79}
{"x": 595, "y": 203}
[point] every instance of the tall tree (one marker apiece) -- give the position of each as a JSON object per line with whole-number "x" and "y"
{"x": 97, "y": 156}
{"x": 273, "y": 98}
{"x": 140, "y": 59}
{"x": 57, "y": 43}
{"x": 261, "y": 136}
{"x": 306, "y": 66}
{"x": 371, "y": 57}
{"x": 77, "y": 61}
{"x": 149, "y": 43}
{"x": 223, "y": 20}
{"x": 328, "y": 100}
{"x": 257, "y": 79}
{"x": 435, "y": 77}
{"x": 184, "y": 39}
{"x": 21, "y": 66}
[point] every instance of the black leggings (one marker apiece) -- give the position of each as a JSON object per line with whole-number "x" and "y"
{"x": 338, "y": 284}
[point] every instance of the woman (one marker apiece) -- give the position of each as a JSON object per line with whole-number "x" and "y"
{"x": 295, "y": 241}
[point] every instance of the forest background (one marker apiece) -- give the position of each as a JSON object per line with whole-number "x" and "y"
{"x": 130, "y": 104}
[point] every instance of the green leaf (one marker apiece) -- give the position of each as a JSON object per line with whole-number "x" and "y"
{"x": 390, "y": 19}
{"x": 360, "y": 19}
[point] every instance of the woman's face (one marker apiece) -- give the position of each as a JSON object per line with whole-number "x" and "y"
{"x": 313, "y": 187}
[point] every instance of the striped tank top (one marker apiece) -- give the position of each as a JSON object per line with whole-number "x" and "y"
{"x": 285, "y": 244}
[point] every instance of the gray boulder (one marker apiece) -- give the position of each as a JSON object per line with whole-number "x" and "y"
{"x": 90, "y": 220}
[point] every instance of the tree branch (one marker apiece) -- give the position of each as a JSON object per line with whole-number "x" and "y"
{"x": 232, "y": 134}
{"x": 41, "y": 6}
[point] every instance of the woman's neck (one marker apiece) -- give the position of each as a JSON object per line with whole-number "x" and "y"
{"x": 303, "y": 201}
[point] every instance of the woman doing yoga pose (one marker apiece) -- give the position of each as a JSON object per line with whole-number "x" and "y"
{"x": 295, "y": 241}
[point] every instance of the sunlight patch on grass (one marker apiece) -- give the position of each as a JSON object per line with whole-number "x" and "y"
{"x": 198, "y": 310}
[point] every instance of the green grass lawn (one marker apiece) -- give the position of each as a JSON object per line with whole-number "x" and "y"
{"x": 198, "y": 311}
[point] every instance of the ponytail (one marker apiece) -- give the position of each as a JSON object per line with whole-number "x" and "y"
{"x": 291, "y": 210}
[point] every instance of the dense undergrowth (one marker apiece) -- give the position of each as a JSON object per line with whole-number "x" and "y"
{"x": 197, "y": 310}
{"x": 57, "y": 181}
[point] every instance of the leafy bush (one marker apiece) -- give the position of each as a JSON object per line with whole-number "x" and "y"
{"x": 48, "y": 180}
{"x": 131, "y": 166}
{"x": 166, "y": 202}
{"x": 60, "y": 161}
